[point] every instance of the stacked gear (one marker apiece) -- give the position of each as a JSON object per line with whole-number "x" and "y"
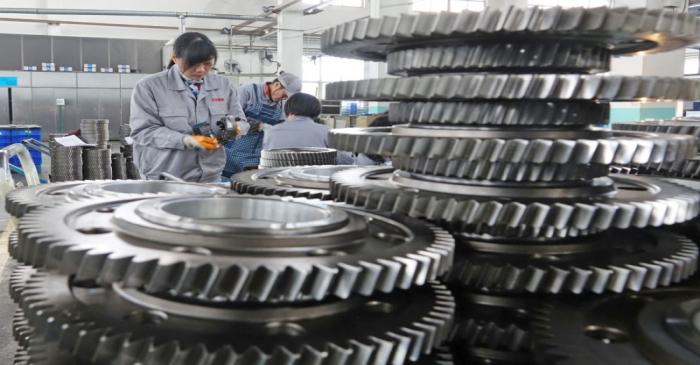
{"x": 683, "y": 168}
{"x": 297, "y": 157}
{"x": 66, "y": 162}
{"x": 229, "y": 279}
{"x": 301, "y": 181}
{"x": 118, "y": 166}
{"x": 95, "y": 131}
{"x": 97, "y": 163}
{"x": 493, "y": 138}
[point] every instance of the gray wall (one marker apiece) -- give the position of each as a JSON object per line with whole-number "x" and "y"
{"x": 87, "y": 96}
{"x": 17, "y": 50}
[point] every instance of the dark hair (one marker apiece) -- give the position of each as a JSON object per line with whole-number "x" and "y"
{"x": 194, "y": 48}
{"x": 303, "y": 104}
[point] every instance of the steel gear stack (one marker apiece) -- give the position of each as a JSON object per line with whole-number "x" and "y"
{"x": 494, "y": 139}
{"x": 211, "y": 279}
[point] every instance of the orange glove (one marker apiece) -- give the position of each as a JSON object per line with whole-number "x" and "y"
{"x": 201, "y": 142}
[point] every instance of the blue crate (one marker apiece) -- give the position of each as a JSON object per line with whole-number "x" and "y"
{"x": 5, "y": 135}
{"x": 20, "y": 132}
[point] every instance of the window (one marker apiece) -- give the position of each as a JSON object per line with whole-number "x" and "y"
{"x": 353, "y": 3}
{"x": 318, "y": 71}
{"x": 445, "y": 5}
{"x": 570, "y": 3}
{"x": 692, "y": 62}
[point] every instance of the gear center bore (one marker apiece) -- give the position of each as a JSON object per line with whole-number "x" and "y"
{"x": 243, "y": 224}
{"x": 308, "y": 177}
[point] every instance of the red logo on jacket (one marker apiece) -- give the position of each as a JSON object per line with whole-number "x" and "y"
{"x": 217, "y": 99}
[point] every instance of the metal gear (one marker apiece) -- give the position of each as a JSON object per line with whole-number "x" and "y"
{"x": 303, "y": 182}
{"x": 548, "y": 87}
{"x": 689, "y": 127}
{"x": 132, "y": 188}
{"x": 33, "y": 350}
{"x": 497, "y": 154}
{"x": 621, "y": 30}
{"x": 655, "y": 327}
{"x": 101, "y": 324}
{"x": 297, "y": 157}
{"x": 500, "y": 113}
{"x": 19, "y": 276}
{"x": 492, "y": 329}
{"x": 523, "y": 211}
{"x": 21, "y": 201}
{"x": 613, "y": 261}
{"x": 236, "y": 247}
{"x": 514, "y": 56}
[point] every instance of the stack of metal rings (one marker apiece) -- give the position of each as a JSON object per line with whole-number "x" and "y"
{"x": 95, "y": 131}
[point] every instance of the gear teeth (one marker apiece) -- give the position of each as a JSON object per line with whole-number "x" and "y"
{"x": 297, "y": 157}
{"x": 494, "y": 158}
{"x": 485, "y": 334}
{"x": 371, "y": 188}
{"x": 503, "y": 55}
{"x": 499, "y": 113}
{"x": 137, "y": 268}
{"x": 499, "y": 171}
{"x": 90, "y": 340}
{"x": 21, "y": 201}
{"x": 619, "y": 29}
{"x": 18, "y": 278}
{"x": 642, "y": 270}
{"x": 464, "y": 87}
{"x": 267, "y": 182}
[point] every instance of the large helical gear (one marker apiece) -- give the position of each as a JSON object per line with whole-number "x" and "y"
{"x": 21, "y": 201}
{"x": 297, "y": 157}
{"x": 499, "y": 113}
{"x": 549, "y": 87}
{"x": 311, "y": 182}
{"x": 492, "y": 329}
{"x": 117, "y": 324}
{"x": 18, "y": 277}
{"x": 620, "y": 30}
{"x": 612, "y": 261}
{"x": 247, "y": 248}
{"x": 492, "y": 154}
{"x": 645, "y": 328}
{"x": 637, "y": 202}
{"x": 689, "y": 127}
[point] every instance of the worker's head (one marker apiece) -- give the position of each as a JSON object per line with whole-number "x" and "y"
{"x": 304, "y": 105}
{"x": 284, "y": 86}
{"x": 194, "y": 54}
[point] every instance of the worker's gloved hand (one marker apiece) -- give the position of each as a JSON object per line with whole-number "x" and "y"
{"x": 200, "y": 142}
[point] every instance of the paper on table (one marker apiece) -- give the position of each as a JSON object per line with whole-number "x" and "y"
{"x": 71, "y": 141}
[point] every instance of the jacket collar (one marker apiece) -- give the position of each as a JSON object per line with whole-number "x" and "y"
{"x": 175, "y": 81}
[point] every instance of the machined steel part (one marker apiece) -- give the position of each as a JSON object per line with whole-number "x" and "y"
{"x": 66, "y": 162}
{"x": 95, "y": 131}
{"x": 492, "y": 55}
{"x": 118, "y": 166}
{"x": 18, "y": 278}
{"x": 132, "y": 188}
{"x": 97, "y": 163}
{"x": 101, "y": 324}
{"x": 492, "y": 329}
{"x": 500, "y": 171}
{"x": 500, "y": 113}
{"x": 297, "y": 157}
{"x": 612, "y": 261}
{"x": 655, "y": 327}
{"x": 303, "y": 181}
{"x": 496, "y": 154}
{"x": 690, "y": 127}
{"x": 33, "y": 350}
{"x": 21, "y": 201}
{"x": 235, "y": 247}
{"x": 518, "y": 209}
{"x": 545, "y": 87}
{"x": 620, "y": 30}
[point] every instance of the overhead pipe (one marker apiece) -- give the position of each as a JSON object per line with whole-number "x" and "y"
{"x": 145, "y": 13}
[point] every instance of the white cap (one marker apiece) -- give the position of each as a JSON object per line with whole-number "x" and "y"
{"x": 290, "y": 82}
